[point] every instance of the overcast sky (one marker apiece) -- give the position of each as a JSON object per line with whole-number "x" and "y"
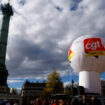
{"x": 41, "y": 32}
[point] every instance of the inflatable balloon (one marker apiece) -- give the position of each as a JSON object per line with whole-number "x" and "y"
{"x": 87, "y": 57}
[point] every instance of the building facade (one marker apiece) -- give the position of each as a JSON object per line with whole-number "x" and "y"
{"x": 102, "y": 83}
{"x": 32, "y": 90}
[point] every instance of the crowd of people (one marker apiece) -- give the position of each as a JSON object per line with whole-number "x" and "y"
{"x": 9, "y": 102}
{"x": 89, "y": 101}
{"x": 71, "y": 101}
{"x": 38, "y": 101}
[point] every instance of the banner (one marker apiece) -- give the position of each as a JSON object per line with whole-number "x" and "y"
{"x": 94, "y": 47}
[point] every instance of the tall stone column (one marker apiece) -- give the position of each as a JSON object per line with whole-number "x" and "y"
{"x": 7, "y": 12}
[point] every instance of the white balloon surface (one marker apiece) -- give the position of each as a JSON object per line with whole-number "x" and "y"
{"x": 87, "y": 53}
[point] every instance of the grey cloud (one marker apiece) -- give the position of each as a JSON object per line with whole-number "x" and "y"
{"x": 40, "y": 36}
{"x": 46, "y": 57}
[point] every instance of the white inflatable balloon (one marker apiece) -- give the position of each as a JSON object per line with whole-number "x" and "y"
{"x": 87, "y": 56}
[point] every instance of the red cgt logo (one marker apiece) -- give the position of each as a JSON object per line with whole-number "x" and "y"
{"x": 93, "y": 44}
{"x": 94, "y": 47}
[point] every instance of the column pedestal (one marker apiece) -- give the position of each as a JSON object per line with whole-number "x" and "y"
{"x": 3, "y": 82}
{"x": 90, "y": 80}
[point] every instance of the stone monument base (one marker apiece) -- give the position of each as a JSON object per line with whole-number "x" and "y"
{"x": 3, "y": 80}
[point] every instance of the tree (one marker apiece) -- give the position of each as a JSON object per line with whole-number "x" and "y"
{"x": 14, "y": 91}
{"x": 67, "y": 90}
{"x": 54, "y": 85}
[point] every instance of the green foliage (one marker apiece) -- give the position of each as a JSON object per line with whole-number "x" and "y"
{"x": 67, "y": 90}
{"x": 54, "y": 84}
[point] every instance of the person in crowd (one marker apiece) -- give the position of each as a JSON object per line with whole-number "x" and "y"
{"x": 83, "y": 100}
{"x": 12, "y": 102}
{"x": 23, "y": 101}
{"x": 95, "y": 101}
{"x": 55, "y": 102}
{"x": 74, "y": 101}
{"x": 15, "y": 102}
{"x": 45, "y": 102}
{"x": 8, "y": 103}
{"x": 62, "y": 102}
{"x": 38, "y": 101}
